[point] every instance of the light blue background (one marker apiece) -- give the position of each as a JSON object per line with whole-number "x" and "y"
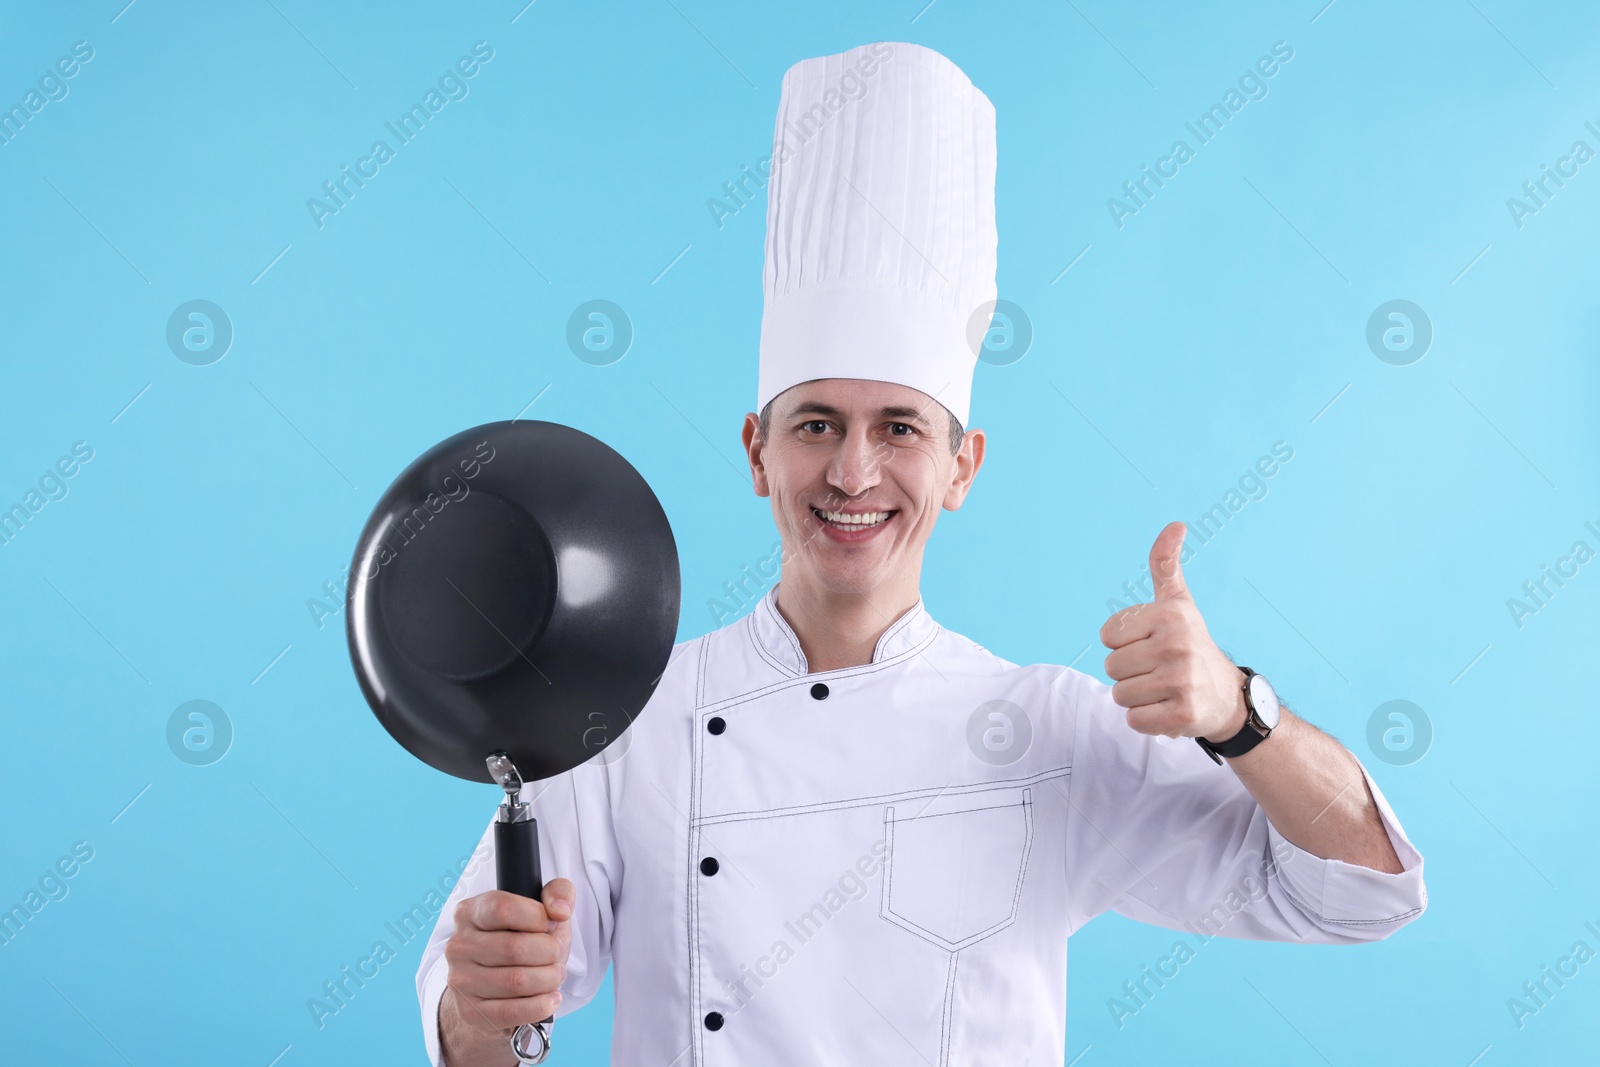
{"x": 1226, "y": 315}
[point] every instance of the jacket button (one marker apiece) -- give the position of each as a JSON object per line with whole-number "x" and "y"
{"x": 713, "y": 1020}
{"x": 715, "y": 724}
{"x": 819, "y": 691}
{"x": 708, "y": 866}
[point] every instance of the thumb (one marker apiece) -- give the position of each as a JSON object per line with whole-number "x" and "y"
{"x": 1166, "y": 572}
{"x": 559, "y": 897}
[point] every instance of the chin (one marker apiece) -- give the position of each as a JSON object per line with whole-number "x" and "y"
{"x": 851, "y": 577}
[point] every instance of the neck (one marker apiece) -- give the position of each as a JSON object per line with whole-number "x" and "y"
{"x": 838, "y": 630}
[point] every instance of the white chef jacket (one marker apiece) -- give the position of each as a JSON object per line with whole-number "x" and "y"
{"x": 881, "y": 894}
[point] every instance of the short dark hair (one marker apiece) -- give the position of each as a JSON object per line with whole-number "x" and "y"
{"x": 957, "y": 434}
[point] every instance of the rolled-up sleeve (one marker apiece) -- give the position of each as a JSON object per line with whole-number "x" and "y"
{"x": 1369, "y": 904}
{"x": 1161, "y": 834}
{"x": 576, "y": 841}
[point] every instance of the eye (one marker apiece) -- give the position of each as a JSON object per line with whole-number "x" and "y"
{"x": 816, "y": 426}
{"x": 895, "y": 429}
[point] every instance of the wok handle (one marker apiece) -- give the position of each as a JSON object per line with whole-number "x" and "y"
{"x": 516, "y": 858}
{"x": 516, "y": 868}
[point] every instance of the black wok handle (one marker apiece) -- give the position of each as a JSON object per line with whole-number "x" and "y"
{"x": 516, "y": 858}
{"x": 516, "y": 861}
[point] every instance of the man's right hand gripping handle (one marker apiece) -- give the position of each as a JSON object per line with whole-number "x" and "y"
{"x": 507, "y": 959}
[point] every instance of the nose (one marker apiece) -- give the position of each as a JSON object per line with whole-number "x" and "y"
{"x": 854, "y": 467}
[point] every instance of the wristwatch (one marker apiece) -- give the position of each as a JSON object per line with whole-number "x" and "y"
{"x": 1262, "y": 712}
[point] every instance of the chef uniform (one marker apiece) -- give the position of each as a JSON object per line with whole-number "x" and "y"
{"x": 881, "y": 864}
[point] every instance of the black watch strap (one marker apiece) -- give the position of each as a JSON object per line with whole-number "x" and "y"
{"x": 1249, "y": 735}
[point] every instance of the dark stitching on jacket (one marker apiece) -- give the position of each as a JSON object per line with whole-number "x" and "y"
{"x": 843, "y": 672}
{"x": 700, "y": 674}
{"x": 1027, "y": 849}
{"x": 1370, "y": 922}
{"x": 755, "y": 643}
{"x": 962, "y": 811}
{"x": 887, "y": 798}
{"x": 785, "y": 630}
{"x": 899, "y": 624}
{"x": 946, "y": 1031}
{"x": 1307, "y": 909}
{"x": 888, "y": 913}
{"x": 691, "y": 888}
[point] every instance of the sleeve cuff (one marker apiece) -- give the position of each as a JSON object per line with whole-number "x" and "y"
{"x": 432, "y": 992}
{"x": 1358, "y": 901}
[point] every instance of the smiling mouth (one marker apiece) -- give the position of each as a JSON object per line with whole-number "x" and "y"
{"x": 864, "y": 520}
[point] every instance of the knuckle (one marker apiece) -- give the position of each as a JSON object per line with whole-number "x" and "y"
{"x": 512, "y": 912}
{"x": 535, "y": 950}
{"x": 512, "y": 950}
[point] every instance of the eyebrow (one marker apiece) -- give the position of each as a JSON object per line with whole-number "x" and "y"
{"x": 904, "y": 414}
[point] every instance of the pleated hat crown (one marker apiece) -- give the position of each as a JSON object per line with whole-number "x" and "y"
{"x": 881, "y": 240}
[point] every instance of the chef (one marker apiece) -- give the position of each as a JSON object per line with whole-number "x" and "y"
{"x": 841, "y": 833}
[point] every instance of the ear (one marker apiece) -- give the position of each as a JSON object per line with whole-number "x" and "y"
{"x": 754, "y": 448}
{"x": 967, "y": 460}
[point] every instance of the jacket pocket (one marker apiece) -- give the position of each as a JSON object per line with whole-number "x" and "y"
{"x": 954, "y": 866}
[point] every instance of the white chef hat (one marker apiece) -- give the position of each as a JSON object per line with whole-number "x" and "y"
{"x": 880, "y": 224}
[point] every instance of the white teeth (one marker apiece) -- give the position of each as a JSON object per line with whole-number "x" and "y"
{"x": 867, "y": 518}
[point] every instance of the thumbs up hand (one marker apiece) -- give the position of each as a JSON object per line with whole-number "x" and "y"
{"x": 1168, "y": 673}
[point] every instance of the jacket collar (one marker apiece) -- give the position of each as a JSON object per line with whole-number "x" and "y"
{"x": 776, "y": 640}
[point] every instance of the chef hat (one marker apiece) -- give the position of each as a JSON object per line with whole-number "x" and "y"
{"x": 880, "y": 224}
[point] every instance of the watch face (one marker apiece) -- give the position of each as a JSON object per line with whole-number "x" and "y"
{"x": 1265, "y": 700}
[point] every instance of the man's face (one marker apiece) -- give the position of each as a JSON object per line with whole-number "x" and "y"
{"x": 858, "y": 471}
